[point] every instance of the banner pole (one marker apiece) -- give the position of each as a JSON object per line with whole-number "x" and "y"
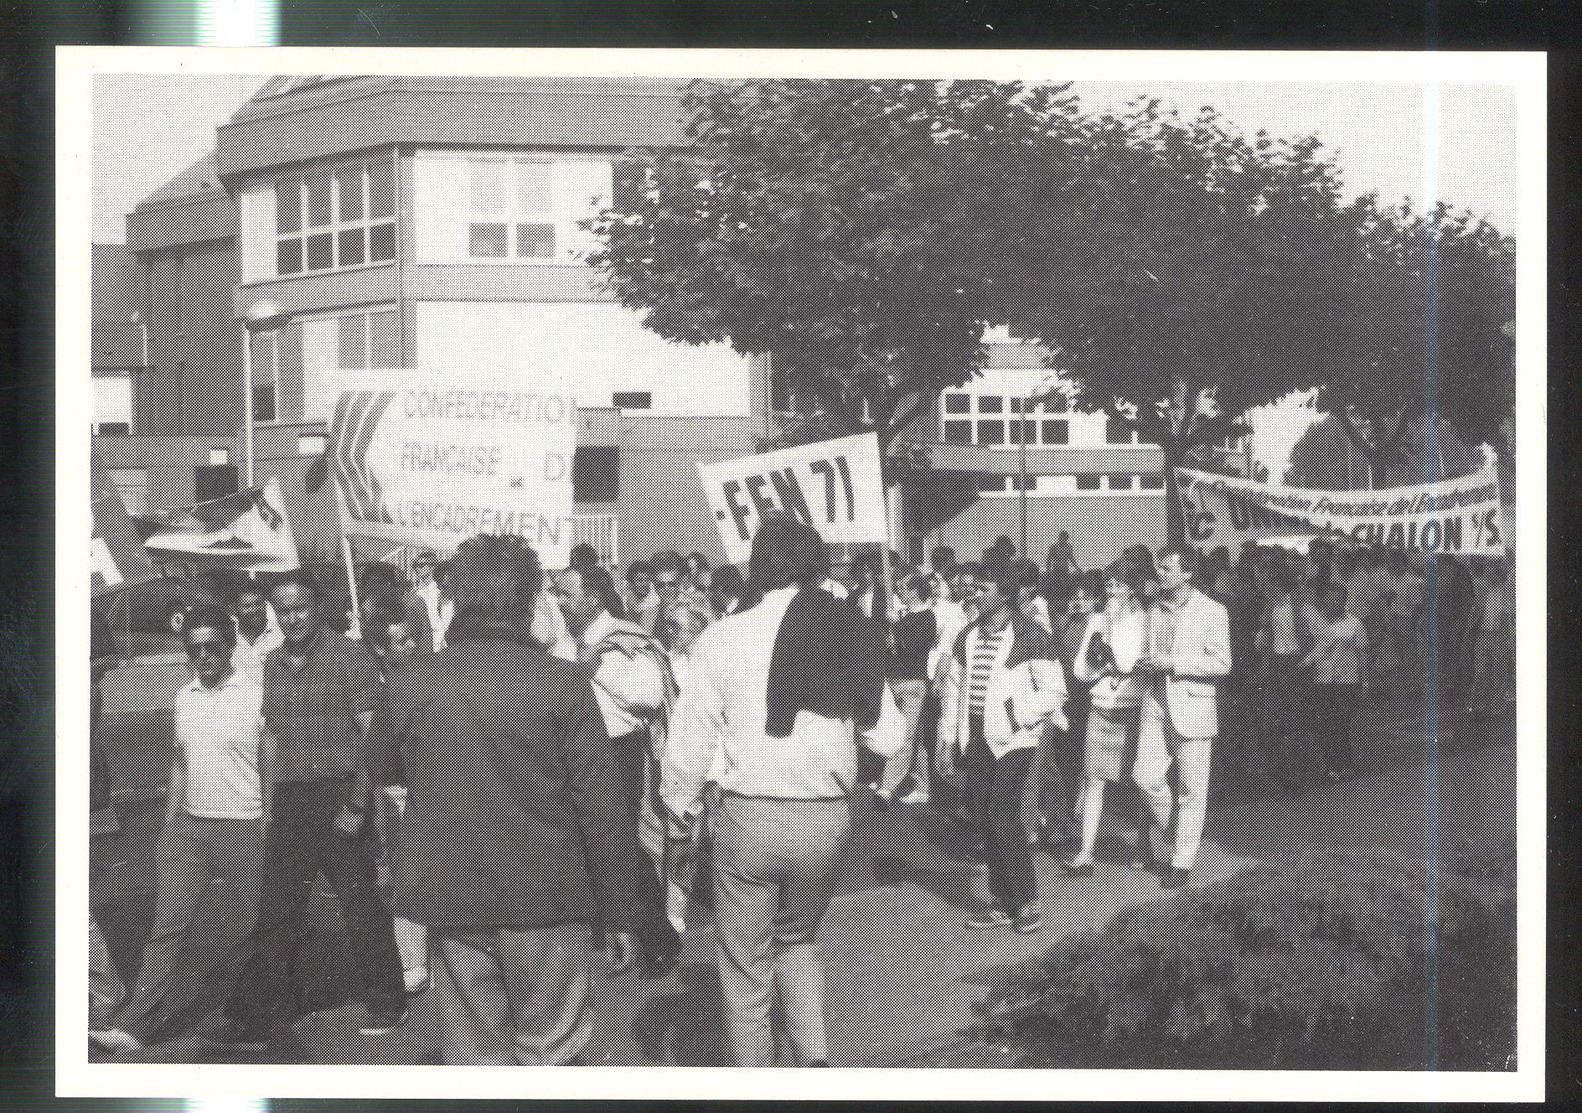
{"x": 884, "y": 561}
{"x": 351, "y": 585}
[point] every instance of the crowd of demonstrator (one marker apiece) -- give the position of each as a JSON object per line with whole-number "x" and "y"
{"x": 512, "y": 769}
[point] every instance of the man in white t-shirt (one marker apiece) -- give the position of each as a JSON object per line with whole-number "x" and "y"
{"x": 257, "y": 632}
{"x": 214, "y": 817}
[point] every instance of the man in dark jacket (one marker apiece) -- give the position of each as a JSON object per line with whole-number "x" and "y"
{"x": 516, "y": 835}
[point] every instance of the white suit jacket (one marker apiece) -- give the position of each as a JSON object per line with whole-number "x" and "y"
{"x": 1199, "y": 657}
{"x": 1017, "y": 704}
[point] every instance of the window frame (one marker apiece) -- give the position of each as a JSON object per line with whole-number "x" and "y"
{"x": 338, "y": 226}
{"x": 513, "y": 216}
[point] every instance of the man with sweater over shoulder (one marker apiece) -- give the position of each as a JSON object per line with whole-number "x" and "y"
{"x": 778, "y": 698}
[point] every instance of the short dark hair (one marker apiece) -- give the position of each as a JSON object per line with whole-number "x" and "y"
{"x": 298, "y": 577}
{"x": 210, "y": 616}
{"x": 668, "y": 561}
{"x": 377, "y": 622}
{"x": 584, "y": 555}
{"x": 639, "y": 568}
{"x": 380, "y": 577}
{"x": 786, "y": 551}
{"x": 942, "y": 558}
{"x": 1090, "y": 580}
{"x": 598, "y": 581}
{"x": 971, "y": 568}
{"x": 1006, "y": 575}
{"x": 1127, "y": 571}
{"x": 494, "y": 582}
{"x": 248, "y": 587}
{"x": 727, "y": 578}
{"x": 1188, "y": 555}
{"x": 922, "y": 585}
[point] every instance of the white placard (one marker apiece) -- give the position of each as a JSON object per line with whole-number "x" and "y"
{"x": 429, "y": 462}
{"x": 835, "y": 486}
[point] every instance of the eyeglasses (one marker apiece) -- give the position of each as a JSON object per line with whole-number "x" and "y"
{"x": 667, "y": 583}
{"x": 207, "y": 649}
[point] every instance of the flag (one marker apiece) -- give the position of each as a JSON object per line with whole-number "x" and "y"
{"x": 118, "y": 558}
{"x": 247, "y": 531}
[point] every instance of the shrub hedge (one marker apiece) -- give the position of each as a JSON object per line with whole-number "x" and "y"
{"x": 1343, "y": 960}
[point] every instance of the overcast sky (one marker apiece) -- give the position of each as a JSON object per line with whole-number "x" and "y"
{"x": 150, "y": 128}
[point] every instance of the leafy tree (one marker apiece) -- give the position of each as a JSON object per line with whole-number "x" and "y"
{"x": 1182, "y": 273}
{"x": 848, "y": 227}
{"x": 1326, "y": 457}
{"x": 1428, "y": 333}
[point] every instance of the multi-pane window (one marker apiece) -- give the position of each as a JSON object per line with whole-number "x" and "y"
{"x": 511, "y": 208}
{"x": 994, "y": 419}
{"x": 331, "y": 217}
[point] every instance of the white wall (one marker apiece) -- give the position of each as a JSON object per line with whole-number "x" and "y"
{"x": 112, "y": 399}
{"x": 586, "y": 349}
{"x": 441, "y": 200}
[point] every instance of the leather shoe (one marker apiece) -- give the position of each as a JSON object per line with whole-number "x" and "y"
{"x": 1172, "y": 877}
{"x": 1077, "y": 869}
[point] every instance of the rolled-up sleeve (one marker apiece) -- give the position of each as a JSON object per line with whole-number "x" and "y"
{"x": 696, "y": 727}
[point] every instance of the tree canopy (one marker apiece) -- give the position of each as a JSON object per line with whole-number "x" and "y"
{"x": 1326, "y": 457}
{"x": 1428, "y": 332}
{"x": 848, "y": 227}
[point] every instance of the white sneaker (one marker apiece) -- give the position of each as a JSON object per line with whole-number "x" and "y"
{"x": 915, "y": 798}
{"x": 416, "y": 980}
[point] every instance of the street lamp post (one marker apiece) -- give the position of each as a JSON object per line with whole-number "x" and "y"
{"x": 261, "y": 316}
{"x": 1038, "y": 393}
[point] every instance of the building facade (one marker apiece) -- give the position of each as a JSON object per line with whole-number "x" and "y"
{"x": 433, "y": 225}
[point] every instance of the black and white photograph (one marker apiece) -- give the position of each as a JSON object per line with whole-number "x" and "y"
{"x": 1005, "y": 561}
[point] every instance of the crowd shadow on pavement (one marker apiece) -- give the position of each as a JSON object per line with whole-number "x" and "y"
{"x": 685, "y": 1028}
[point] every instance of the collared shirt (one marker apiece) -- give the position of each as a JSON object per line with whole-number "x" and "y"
{"x": 1282, "y": 628}
{"x": 629, "y": 689}
{"x": 722, "y": 713}
{"x": 436, "y": 606}
{"x": 248, "y": 657}
{"x": 217, "y": 732}
{"x": 313, "y": 710}
{"x": 1162, "y": 625}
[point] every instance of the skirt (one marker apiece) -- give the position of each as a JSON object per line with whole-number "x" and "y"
{"x": 1111, "y": 744}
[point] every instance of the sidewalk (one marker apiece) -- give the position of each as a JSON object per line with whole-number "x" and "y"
{"x": 904, "y": 973}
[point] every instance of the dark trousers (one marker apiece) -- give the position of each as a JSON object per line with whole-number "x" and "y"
{"x": 303, "y": 843}
{"x": 1332, "y": 711}
{"x": 999, "y": 787}
{"x": 656, "y": 934}
{"x": 1285, "y": 733}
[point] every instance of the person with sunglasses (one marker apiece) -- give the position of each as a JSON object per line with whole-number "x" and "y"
{"x": 215, "y": 817}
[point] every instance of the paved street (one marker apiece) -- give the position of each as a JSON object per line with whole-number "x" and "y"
{"x": 904, "y": 972}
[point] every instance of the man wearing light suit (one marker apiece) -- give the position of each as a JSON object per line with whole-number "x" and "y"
{"x": 1188, "y": 651}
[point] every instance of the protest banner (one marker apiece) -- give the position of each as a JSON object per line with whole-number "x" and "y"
{"x": 835, "y": 486}
{"x": 247, "y": 531}
{"x": 1460, "y": 516}
{"x": 429, "y": 462}
{"x": 117, "y": 558}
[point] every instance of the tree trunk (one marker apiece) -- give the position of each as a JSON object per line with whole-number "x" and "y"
{"x": 1175, "y": 520}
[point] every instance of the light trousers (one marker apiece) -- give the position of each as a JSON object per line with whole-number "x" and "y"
{"x": 774, "y": 863}
{"x": 1160, "y": 745}
{"x": 511, "y": 997}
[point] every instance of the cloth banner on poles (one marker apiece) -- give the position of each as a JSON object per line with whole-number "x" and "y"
{"x": 430, "y": 462}
{"x": 247, "y": 531}
{"x": 1459, "y": 516}
{"x": 118, "y": 558}
{"x": 835, "y": 486}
